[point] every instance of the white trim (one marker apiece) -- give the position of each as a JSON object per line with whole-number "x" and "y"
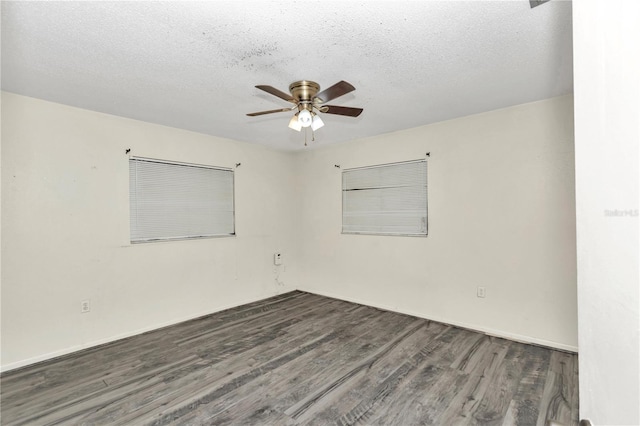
{"x": 66, "y": 351}
{"x": 488, "y": 331}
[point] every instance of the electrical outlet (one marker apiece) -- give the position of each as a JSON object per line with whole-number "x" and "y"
{"x": 85, "y": 306}
{"x": 481, "y": 292}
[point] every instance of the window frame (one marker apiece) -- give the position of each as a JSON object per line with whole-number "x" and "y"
{"x": 182, "y": 238}
{"x": 392, "y": 234}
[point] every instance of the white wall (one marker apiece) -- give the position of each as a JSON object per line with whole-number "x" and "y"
{"x": 607, "y": 120}
{"x": 65, "y": 231}
{"x": 501, "y": 215}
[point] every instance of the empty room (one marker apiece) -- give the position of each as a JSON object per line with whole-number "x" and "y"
{"x": 317, "y": 213}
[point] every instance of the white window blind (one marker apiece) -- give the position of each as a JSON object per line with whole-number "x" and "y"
{"x": 178, "y": 201}
{"x": 389, "y": 199}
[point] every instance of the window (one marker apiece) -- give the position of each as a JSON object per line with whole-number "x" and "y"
{"x": 173, "y": 201}
{"x": 389, "y": 199}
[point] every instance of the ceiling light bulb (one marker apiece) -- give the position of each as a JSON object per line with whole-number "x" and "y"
{"x": 295, "y": 124}
{"x": 304, "y": 118}
{"x": 316, "y": 123}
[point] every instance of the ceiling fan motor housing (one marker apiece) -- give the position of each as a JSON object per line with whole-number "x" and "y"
{"x": 303, "y": 92}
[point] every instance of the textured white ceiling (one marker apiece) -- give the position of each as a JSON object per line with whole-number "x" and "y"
{"x": 194, "y": 65}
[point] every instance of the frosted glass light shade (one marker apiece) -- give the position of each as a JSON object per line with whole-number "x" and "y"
{"x": 295, "y": 124}
{"x": 304, "y": 118}
{"x": 316, "y": 123}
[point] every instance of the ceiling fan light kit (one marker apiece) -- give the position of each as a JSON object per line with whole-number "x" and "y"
{"x": 316, "y": 123}
{"x": 295, "y": 123}
{"x": 304, "y": 118}
{"x": 308, "y": 100}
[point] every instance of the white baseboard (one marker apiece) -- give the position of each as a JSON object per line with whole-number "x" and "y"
{"x": 485, "y": 330}
{"x": 488, "y": 331}
{"x": 66, "y": 351}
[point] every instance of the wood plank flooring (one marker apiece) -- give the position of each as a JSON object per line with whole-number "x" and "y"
{"x": 299, "y": 359}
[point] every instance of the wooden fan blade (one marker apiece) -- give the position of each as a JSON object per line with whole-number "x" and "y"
{"x": 340, "y": 110}
{"x": 253, "y": 114}
{"x": 275, "y": 92}
{"x": 338, "y": 89}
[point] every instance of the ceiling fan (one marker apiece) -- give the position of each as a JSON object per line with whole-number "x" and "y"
{"x": 308, "y": 103}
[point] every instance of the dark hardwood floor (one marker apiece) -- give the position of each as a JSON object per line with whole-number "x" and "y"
{"x": 296, "y": 359}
